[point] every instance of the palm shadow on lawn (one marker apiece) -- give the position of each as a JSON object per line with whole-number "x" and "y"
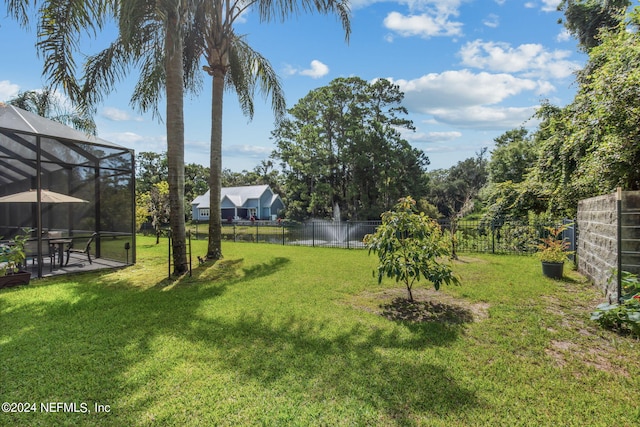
{"x": 105, "y": 344}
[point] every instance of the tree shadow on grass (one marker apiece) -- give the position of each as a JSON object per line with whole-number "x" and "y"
{"x": 401, "y": 309}
{"x": 118, "y": 345}
{"x": 365, "y": 367}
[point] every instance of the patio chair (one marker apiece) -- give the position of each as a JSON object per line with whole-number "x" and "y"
{"x": 31, "y": 252}
{"x": 86, "y": 250}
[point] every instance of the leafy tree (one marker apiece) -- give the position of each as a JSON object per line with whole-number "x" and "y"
{"x": 196, "y": 182}
{"x": 513, "y": 156}
{"x": 46, "y": 104}
{"x": 233, "y": 64}
{"x": 336, "y": 139}
{"x": 584, "y": 19}
{"x": 591, "y": 146}
{"x": 605, "y": 115}
{"x": 409, "y": 246}
{"x": 428, "y": 209}
{"x": 520, "y": 191}
{"x": 143, "y": 201}
{"x": 453, "y": 190}
{"x": 509, "y": 201}
{"x": 262, "y": 174}
{"x": 159, "y": 206}
{"x": 151, "y": 168}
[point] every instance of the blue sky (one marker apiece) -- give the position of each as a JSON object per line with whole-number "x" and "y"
{"x": 470, "y": 70}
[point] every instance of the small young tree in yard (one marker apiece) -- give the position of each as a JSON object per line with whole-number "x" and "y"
{"x": 410, "y": 246}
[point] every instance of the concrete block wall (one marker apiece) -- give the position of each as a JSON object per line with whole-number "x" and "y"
{"x": 597, "y": 242}
{"x": 598, "y": 233}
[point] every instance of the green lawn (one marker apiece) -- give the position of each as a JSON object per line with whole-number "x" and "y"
{"x": 278, "y": 335}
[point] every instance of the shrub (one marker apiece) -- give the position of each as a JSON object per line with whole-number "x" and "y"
{"x": 409, "y": 246}
{"x": 623, "y": 316}
{"x": 553, "y": 248}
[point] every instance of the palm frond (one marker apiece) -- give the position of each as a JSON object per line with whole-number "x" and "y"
{"x": 269, "y": 10}
{"x": 52, "y": 105}
{"x": 150, "y": 85}
{"x": 103, "y": 70}
{"x": 61, "y": 24}
{"x": 18, "y": 10}
{"x": 250, "y": 71}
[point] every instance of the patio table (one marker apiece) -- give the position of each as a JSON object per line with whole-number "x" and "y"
{"x": 60, "y": 243}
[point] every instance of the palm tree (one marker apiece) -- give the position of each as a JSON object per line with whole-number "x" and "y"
{"x": 151, "y": 37}
{"x": 45, "y": 103}
{"x": 232, "y": 63}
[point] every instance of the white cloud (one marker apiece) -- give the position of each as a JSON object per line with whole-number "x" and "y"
{"x": 117, "y": 115}
{"x": 125, "y": 137}
{"x": 317, "y": 70}
{"x": 289, "y": 70}
{"x": 136, "y": 141}
{"x": 246, "y": 151}
{"x": 448, "y": 6}
{"x": 531, "y": 60}
{"x": 564, "y": 36}
{"x": 459, "y": 89}
{"x": 468, "y": 100}
{"x": 547, "y": 5}
{"x": 550, "y": 5}
{"x": 492, "y": 21}
{"x": 484, "y": 117}
{"x": 128, "y": 137}
{"x": 360, "y": 4}
{"x": 433, "y": 137}
{"x": 8, "y": 90}
{"x": 423, "y": 25}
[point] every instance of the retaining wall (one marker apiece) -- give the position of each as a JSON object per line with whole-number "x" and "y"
{"x": 598, "y": 239}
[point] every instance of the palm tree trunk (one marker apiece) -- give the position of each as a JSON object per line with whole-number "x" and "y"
{"x": 175, "y": 141}
{"x": 214, "y": 250}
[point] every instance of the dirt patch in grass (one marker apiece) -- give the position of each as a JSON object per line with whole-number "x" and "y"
{"x": 590, "y": 345}
{"x": 428, "y": 306}
{"x": 599, "y": 358}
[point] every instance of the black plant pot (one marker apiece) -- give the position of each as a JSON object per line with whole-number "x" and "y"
{"x": 15, "y": 279}
{"x": 553, "y": 270}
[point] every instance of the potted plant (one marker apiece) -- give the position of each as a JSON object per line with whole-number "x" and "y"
{"x": 12, "y": 257}
{"x": 553, "y": 252}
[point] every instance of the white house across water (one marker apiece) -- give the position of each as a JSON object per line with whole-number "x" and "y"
{"x": 238, "y": 203}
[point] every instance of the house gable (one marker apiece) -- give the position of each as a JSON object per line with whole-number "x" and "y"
{"x": 239, "y": 201}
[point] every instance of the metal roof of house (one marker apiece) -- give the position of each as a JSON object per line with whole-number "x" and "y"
{"x": 236, "y": 195}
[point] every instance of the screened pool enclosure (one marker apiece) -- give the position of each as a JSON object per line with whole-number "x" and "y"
{"x": 62, "y": 187}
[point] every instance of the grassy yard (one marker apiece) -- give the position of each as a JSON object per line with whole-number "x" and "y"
{"x": 278, "y": 335}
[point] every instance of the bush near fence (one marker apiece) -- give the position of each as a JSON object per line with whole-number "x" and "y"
{"x": 469, "y": 236}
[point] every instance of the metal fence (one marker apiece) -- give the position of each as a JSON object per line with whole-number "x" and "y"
{"x": 513, "y": 237}
{"x": 503, "y": 237}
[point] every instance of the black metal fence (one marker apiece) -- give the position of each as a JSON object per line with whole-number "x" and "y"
{"x": 513, "y": 237}
{"x": 503, "y": 237}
